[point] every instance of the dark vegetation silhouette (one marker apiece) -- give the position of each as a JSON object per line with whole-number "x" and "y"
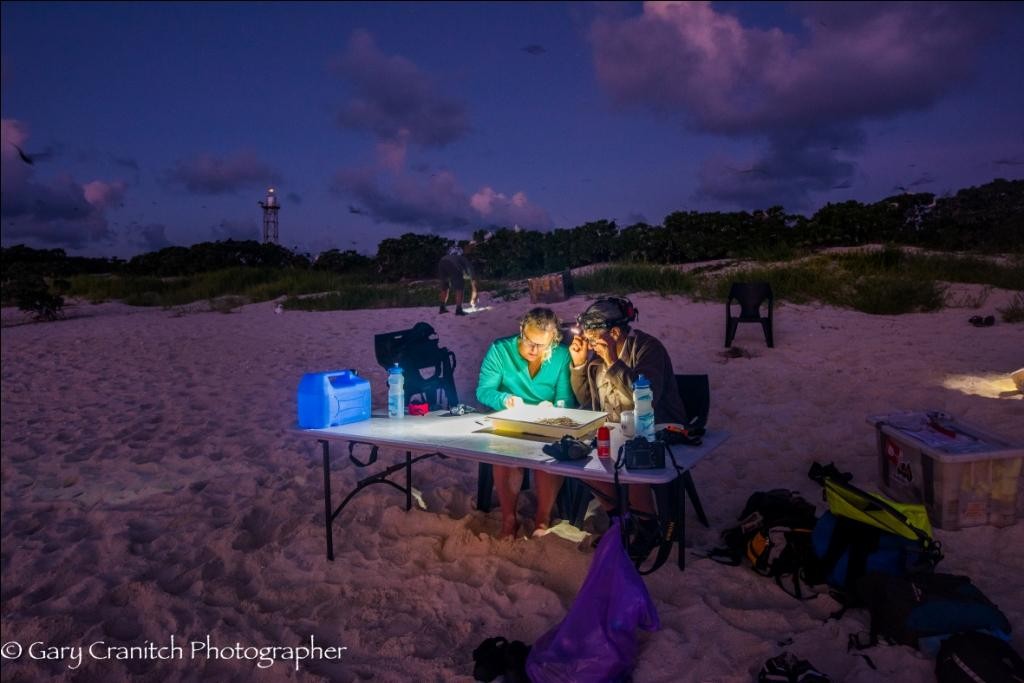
{"x": 984, "y": 219}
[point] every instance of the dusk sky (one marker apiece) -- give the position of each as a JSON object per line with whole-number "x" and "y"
{"x": 155, "y": 124}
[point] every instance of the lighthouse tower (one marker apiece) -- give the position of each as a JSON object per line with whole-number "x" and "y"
{"x": 270, "y": 209}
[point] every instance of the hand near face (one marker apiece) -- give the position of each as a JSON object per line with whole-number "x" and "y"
{"x": 578, "y": 350}
{"x": 605, "y": 350}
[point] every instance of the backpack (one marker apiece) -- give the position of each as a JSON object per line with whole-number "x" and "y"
{"x": 978, "y": 658}
{"x": 921, "y": 611}
{"x": 774, "y": 535}
{"x": 866, "y": 533}
{"x": 848, "y": 550}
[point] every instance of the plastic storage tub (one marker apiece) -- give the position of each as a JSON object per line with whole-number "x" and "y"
{"x": 964, "y": 475}
{"x": 332, "y": 398}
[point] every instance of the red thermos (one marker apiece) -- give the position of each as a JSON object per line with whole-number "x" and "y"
{"x": 604, "y": 443}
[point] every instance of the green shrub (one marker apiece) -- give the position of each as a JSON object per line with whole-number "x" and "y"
{"x": 227, "y": 304}
{"x": 635, "y": 277}
{"x": 892, "y": 295}
{"x": 366, "y": 296}
{"x": 1014, "y": 313}
{"x": 31, "y": 294}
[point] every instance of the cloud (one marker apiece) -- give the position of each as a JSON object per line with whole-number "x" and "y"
{"x": 241, "y": 229}
{"x": 57, "y": 211}
{"x": 852, "y": 63}
{"x": 785, "y": 174}
{"x": 129, "y": 164}
{"x": 495, "y": 208}
{"x": 870, "y": 60}
{"x": 436, "y": 201}
{"x": 396, "y": 100}
{"x": 210, "y": 175}
{"x": 103, "y": 194}
{"x": 149, "y": 237}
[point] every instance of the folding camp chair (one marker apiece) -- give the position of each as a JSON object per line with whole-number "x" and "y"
{"x": 749, "y": 296}
{"x": 695, "y": 390}
{"x": 427, "y": 367}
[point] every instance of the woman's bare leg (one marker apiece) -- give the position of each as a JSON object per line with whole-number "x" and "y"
{"x": 548, "y": 486}
{"x": 507, "y": 482}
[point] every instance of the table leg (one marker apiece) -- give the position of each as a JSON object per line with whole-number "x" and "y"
{"x": 694, "y": 499}
{"x": 680, "y": 488}
{"x": 328, "y": 518}
{"x": 408, "y": 481}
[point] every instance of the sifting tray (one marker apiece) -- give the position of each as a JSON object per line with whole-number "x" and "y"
{"x": 543, "y": 421}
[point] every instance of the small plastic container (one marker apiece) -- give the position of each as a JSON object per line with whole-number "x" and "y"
{"x": 328, "y": 399}
{"x": 396, "y": 392}
{"x": 643, "y": 408}
{"x": 604, "y": 442}
{"x": 964, "y": 475}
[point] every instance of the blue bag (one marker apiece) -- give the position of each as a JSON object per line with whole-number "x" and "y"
{"x": 922, "y": 611}
{"x": 848, "y": 550}
{"x": 597, "y": 640}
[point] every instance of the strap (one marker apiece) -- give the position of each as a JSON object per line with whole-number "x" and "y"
{"x": 664, "y": 550}
{"x": 355, "y": 460}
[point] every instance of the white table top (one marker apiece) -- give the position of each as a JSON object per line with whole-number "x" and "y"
{"x": 469, "y": 437}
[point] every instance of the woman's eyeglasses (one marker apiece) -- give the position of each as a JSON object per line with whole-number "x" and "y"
{"x": 533, "y": 346}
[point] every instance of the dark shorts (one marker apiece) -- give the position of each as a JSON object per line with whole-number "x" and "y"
{"x": 451, "y": 274}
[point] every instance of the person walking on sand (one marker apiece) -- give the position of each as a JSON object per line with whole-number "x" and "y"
{"x": 453, "y": 270}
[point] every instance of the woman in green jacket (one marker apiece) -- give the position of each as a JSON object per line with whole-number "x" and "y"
{"x": 532, "y": 368}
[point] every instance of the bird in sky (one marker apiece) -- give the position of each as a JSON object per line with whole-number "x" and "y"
{"x": 534, "y": 49}
{"x": 30, "y": 159}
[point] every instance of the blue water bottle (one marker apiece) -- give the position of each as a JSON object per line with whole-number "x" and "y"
{"x": 643, "y": 408}
{"x": 396, "y": 392}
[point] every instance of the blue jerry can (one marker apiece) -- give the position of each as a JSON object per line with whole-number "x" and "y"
{"x": 332, "y": 398}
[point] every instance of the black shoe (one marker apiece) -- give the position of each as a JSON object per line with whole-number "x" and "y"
{"x": 459, "y": 311}
{"x": 443, "y": 309}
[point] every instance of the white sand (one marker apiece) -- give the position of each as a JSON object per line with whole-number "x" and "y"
{"x": 152, "y": 487}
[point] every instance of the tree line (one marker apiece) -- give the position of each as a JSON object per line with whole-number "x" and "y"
{"x": 988, "y": 218}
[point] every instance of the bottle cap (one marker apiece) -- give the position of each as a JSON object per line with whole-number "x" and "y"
{"x": 642, "y": 381}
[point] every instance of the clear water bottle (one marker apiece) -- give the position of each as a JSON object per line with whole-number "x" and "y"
{"x": 643, "y": 409}
{"x": 396, "y": 392}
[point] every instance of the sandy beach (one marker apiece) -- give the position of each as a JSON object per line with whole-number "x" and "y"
{"x": 152, "y": 487}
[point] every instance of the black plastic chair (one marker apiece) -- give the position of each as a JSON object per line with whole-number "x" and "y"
{"x": 749, "y": 296}
{"x": 417, "y": 351}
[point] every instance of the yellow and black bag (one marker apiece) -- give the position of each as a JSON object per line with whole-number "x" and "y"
{"x": 774, "y": 535}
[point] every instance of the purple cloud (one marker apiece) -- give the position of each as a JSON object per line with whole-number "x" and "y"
{"x": 785, "y": 174}
{"x": 396, "y": 100}
{"x": 210, "y": 175}
{"x": 854, "y": 62}
{"x": 55, "y": 212}
{"x": 149, "y": 237}
{"x": 436, "y": 201}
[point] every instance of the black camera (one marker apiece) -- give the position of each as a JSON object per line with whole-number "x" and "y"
{"x": 641, "y": 454}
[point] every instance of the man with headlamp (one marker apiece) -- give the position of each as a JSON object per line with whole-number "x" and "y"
{"x": 607, "y": 355}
